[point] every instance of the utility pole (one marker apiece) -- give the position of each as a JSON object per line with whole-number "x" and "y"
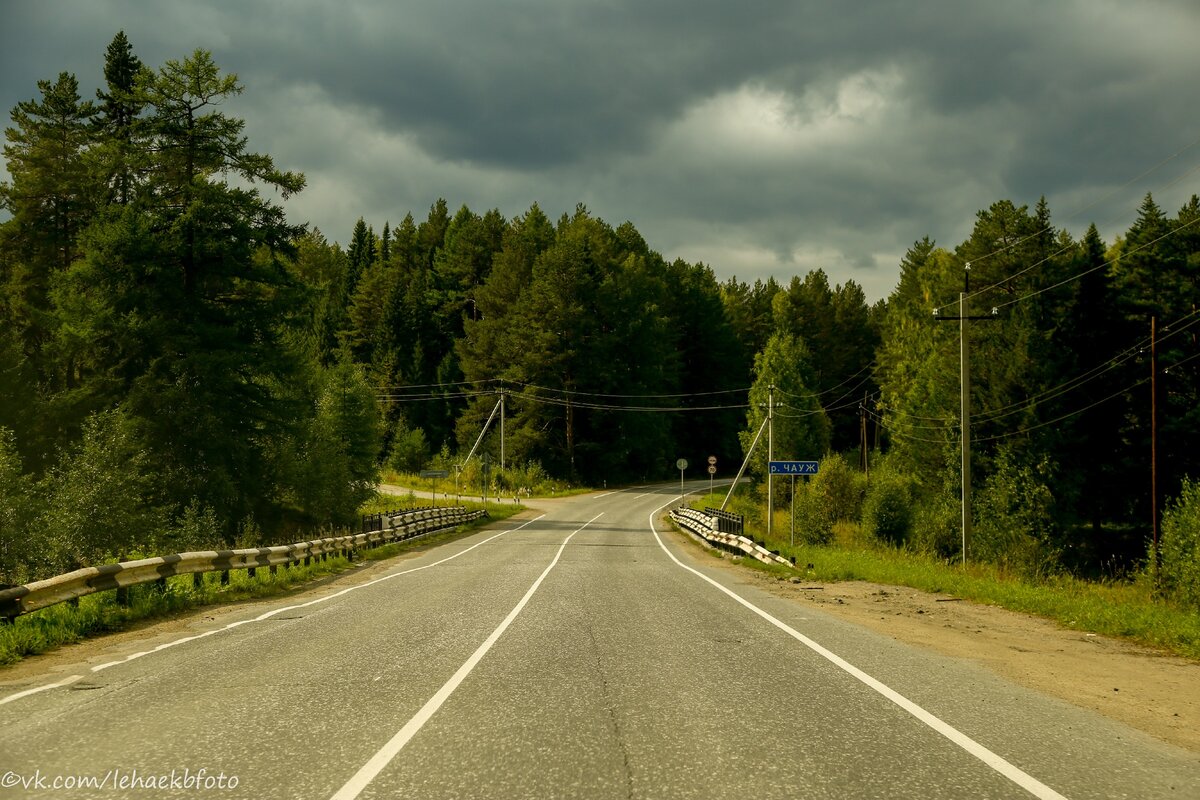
{"x": 770, "y": 457}
{"x": 862, "y": 422}
{"x": 964, "y": 367}
{"x": 502, "y": 427}
{"x": 1154, "y": 444}
{"x": 965, "y": 414}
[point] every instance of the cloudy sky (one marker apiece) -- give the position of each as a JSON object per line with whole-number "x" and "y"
{"x": 762, "y": 137}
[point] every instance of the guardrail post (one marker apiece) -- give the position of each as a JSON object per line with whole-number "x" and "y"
{"x": 224, "y": 577}
{"x": 250, "y": 572}
{"x": 197, "y": 580}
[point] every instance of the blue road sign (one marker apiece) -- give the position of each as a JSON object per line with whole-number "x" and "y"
{"x": 793, "y": 467}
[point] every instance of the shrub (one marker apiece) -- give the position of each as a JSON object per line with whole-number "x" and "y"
{"x": 814, "y": 516}
{"x": 1015, "y": 518}
{"x": 1179, "y": 546}
{"x": 101, "y": 497}
{"x": 410, "y": 449}
{"x": 842, "y": 488}
{"x": 937, "y": 522}
{"x": 16, "y": 510}
{"x": 887, "y": 508}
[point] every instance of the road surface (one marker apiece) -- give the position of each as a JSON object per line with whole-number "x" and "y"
{"x": 583, "y": 653}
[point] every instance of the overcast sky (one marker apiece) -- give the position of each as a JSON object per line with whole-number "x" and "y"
{"x": 762, "y": 137}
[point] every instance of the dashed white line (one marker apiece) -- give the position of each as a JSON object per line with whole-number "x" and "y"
{"x": 996, "y": 762}
{"x": 367, "y": 773}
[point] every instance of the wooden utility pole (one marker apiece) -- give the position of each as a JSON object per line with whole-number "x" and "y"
{"x": 770, "y": 457}
{"x": 862, "y": 423}
{"x": 1154, "y": 446}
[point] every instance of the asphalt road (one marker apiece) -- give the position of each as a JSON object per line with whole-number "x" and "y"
{"x": 581, "y": 654}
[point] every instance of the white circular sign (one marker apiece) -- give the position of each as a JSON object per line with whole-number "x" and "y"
{"x": 681, "y": 464}
{"x": 712, "y": 460}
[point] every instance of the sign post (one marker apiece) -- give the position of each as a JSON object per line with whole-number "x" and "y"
{"x": 434, "y": 474}
{"x": 793, "y": 468}
{"x": 681, "y": 465}
{"x": 793, "y": 511}
{"x": 712, "y": 470}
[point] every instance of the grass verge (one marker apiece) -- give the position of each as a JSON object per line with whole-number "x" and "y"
{"x": 99, "y": 613}
{"x": 1126, "y": 610}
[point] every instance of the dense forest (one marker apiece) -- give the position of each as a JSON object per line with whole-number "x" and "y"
{"x": 182, "y": 366}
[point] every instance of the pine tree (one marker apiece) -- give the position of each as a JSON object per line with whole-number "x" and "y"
{"x": 119, "y": 110}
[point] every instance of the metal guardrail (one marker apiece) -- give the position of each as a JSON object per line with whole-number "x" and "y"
{"x": 727, "y": 521}
{"x": 707, "y": 527}
{"x": 402, "y": 526}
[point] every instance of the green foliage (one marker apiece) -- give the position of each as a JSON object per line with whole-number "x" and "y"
{"x": 843, "y": 487}
{"x": 329, "y": 466}
{"x": 410, "y": 450}
{"x": 16, "y": 512}
{"x": 814, "y": 514}
{"x": 801, "y": 427}
{"x": 101, "y": 499}
{"x": 888, "y": 506}
{"x": 1014, "y": 517}
{"x": 1179, "y": 547}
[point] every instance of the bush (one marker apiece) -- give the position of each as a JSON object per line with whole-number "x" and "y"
{"x": 887, "y": 508}
{"x": 1179, "y": 546}
{"x": 1014, "y": 516}
{"x": 101, "y": 498}
{"x": 937, "y": 523}
{"x": 814, "y": 516}
{"x": 410, "y": 449}
{"x": 16, "y": 512}
{"x": 842, "y": 488}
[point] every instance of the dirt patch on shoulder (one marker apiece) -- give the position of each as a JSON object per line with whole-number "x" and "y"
{"x": 1147, "y": 689}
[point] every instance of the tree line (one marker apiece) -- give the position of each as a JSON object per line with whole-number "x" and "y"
{"x": 182, "y": 364}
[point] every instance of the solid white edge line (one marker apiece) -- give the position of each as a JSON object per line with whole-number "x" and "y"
{"x": 367, "y": 773}
{"x": 260, "y": 618}
{"x": 996, "y": 762}
{"x": 64, "y": 682}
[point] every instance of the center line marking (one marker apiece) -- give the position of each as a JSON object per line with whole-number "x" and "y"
{"x": 996, "y": 762}
{"x": 367, "y": 773}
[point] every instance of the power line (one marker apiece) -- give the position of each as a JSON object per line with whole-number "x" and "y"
{"x": 1056, "y": 420}
{"x": 574, "y": 393}
{"x": 831, "y": 389}
{"x": 564, "y": 403}
{"x": 1108, "y": 263}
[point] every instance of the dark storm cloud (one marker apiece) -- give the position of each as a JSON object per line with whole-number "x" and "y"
{"x": 760, "y": 137}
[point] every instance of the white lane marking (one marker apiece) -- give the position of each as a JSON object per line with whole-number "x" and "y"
{"x": 606, "y": 494}
{"x": 261, "y": 617}
{"x": 64, "y": 682}
{"x": 1005, "y": 768}
{"x": 367, "y": 773}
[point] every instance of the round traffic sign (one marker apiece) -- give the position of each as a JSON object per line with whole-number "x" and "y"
{"x": 712, "y": 460}
{"x": 712, "y": 469}
{"x": 681, "y": 464}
